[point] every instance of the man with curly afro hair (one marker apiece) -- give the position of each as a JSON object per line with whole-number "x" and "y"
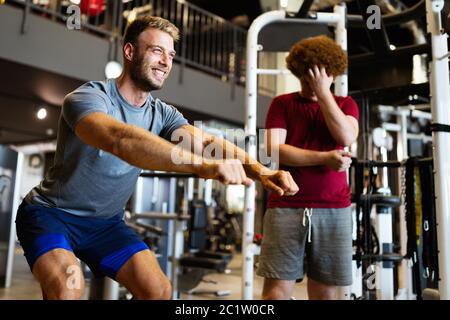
{"x": 309, "y": 129}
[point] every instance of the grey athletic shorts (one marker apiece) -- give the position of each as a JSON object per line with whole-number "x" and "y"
{"x": 324, "y": 235}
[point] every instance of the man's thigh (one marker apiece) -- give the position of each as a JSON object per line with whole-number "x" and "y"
{"x": 40, "y": 230}
{"x": 143, "y": 277}
{"x": 330, "y": 252}
{"x": 109, "y": 247}
{"x": 283, "y": 244}
{"x": 276, "y": 289}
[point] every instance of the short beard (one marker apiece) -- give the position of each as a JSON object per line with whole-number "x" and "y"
{"x": 139, "y": 75}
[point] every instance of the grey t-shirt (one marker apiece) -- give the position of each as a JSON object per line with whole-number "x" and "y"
{"x": 87, "y": 181}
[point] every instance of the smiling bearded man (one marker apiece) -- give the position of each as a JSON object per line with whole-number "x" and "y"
{"x": 108, "y": 132}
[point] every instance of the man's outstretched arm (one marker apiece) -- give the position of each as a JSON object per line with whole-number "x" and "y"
{"x": 145, "y": 150}
{"x": 279, "y": 181}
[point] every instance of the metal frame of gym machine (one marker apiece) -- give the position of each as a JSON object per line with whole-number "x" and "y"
{"x": 440, "y": 111}
{"x": 337, "y": 19}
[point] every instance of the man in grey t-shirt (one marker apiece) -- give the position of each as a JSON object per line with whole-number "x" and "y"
{"x": 108, "y": 132}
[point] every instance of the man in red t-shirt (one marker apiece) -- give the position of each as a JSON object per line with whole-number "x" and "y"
{"x": 310, "y": 129}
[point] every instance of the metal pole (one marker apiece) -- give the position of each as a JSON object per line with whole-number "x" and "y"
{"x": 384, "y": 269}
{"x": 251, "y": 92}
{"x": 341, "y": 82}
{"x": 405, "y": 277}
{"x": 110, "y": 289}
{"x": 12, "y": 230}
{"x": 185, "y": 18}
{"x": 341, "y": 89}
{"x": 440, "y": 100}
{"x": 175, "y": 228}
{"x": 208, "y": 192}
{"x": 200, "y": 189}
{"x": 273, "y": 72}
{"x": 190, "y": 189}
{"x": 327, "y": 18}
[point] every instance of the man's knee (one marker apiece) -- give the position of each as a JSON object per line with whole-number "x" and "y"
{"x": 275, "y": 294}
{"x": 275, "y": 289}
{"x": 160, "y": 291}
{"x": 166, "y": 294}
{"x": 323, "y": 294}
{"x": 321, "y": 291}
{"x": 60, "y": 291}
{"x": 66, "y": 295}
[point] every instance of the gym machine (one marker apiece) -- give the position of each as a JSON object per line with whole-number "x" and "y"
{"x": 422, "y": 228}
{"x": 375, "y": 251}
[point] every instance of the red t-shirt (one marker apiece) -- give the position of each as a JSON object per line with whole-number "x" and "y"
{"x": 320, "y": 186}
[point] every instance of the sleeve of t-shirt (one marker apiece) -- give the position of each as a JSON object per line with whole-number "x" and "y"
{"x": 276, "y": 117}
{"x": 82, "y": 102}
{"x": 172, "y": 119}
{"x": 350, "y": 108}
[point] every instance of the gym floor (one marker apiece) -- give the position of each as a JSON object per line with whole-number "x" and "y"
{"x": 25, "y": 287}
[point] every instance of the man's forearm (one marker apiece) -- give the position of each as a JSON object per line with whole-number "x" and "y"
{"x": 297, "y": 157}
{"x": 148, "y": 151}
{"x": 253, "y": 168}
{"x": 337, "y": 122}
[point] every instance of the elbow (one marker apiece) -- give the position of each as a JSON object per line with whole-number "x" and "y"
{"x": 346, "y": 141}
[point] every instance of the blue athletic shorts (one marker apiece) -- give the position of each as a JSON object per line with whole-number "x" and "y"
{"x": 103, "y": 244}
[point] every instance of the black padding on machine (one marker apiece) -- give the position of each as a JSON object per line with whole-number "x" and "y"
{"x": 203, "y": 263}
{"x": 381, "y": 199}
{"x": 214, "y": 255}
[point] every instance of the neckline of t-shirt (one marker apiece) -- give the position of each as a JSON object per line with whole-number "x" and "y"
{"x": 126, "y": 103}
{"x": 303, "y": 99}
